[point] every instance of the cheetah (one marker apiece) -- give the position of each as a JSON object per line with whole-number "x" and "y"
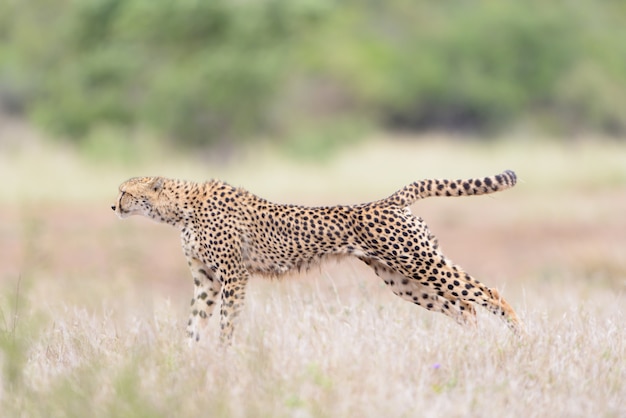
{"x": 228, "y": 233}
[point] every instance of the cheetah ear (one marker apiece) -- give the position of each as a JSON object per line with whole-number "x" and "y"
{"x": 157, "y": 184}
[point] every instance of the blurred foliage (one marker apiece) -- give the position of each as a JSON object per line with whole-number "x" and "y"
{"x": 484, "y": 64}
{"x": 216, "y": 71}
{"x": 194, "y": 69}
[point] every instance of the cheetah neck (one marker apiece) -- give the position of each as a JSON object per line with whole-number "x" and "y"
{"x": 176, "y": 202}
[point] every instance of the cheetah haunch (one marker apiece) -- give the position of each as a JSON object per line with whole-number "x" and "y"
{"x": 228, "y": 234}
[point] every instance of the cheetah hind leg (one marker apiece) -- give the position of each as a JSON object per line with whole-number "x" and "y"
{"x": 452, "y": 283}
{"x": 412, "y": 291}
{"x": 461, "y": 285}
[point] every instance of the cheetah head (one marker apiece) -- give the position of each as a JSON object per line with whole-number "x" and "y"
{"x": 138, "y": 196}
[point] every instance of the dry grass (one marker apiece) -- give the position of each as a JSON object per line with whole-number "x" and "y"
{"x": 92, "y": 310}
{"x": 304, "y": 349}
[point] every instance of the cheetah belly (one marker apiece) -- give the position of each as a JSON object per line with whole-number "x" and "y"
{"x": 273, "y": 262}
{"x": 274, "y": 258}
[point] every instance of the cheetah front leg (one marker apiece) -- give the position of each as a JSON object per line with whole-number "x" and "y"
{"x": 233, "y": 295}
{"x": 206, "y": 289}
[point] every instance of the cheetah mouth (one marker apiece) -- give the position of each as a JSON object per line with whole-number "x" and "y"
{"x": 121, "y": 213}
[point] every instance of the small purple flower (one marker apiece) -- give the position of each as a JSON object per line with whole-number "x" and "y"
{"x": 436, "y": 366}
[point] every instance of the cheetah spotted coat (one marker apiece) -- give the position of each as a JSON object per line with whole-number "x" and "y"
{"x": 229, "y": 233}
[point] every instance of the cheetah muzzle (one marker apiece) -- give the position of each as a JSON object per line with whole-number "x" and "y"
{"x": 228, "y": 234}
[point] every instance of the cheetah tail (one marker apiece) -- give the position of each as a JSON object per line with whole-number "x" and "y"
{"x": 467, "y": 187}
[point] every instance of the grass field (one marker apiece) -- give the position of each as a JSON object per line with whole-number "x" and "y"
{"x": 93, "y": 309}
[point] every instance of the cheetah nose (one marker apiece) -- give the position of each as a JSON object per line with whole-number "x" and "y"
{"x": 113, "y": 207}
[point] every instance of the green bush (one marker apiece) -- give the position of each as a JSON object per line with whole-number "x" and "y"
{"x": 198, "y": 71}
{"x": 482, "y": 65}
{"x": 213, "y": 71}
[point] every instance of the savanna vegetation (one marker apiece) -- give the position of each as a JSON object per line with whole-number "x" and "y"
{"x": 312, "y": 102}
{"x": 207, "y": 72}
{"x": 93, "y": 309}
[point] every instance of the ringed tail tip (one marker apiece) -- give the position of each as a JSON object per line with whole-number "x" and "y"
{"x": 511, "y": 176}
